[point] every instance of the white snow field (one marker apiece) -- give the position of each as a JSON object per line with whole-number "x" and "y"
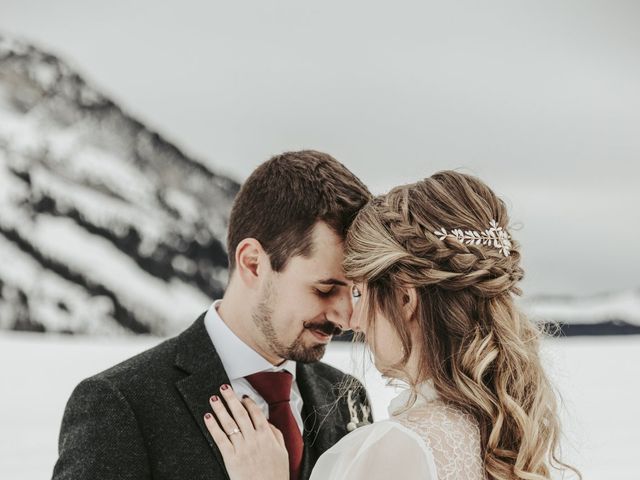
{"x": 598, "y": 379}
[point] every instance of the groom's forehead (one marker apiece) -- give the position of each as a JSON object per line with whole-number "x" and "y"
{"x": 323, "y": 266}
{"x": 323, "y": 237}
{"x": 332, "y": 281}
{"x": 323, "y": 261}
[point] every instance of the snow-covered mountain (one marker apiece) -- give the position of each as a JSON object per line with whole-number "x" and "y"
{"x": 604, "y": 314}
{"x": 105, "y": 227}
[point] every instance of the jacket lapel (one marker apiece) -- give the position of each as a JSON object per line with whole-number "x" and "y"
{"x": 197, "y": 357}
{"x": 321, "y": 415}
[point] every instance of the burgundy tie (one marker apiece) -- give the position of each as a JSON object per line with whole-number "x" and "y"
{"x": 275, "y": 388}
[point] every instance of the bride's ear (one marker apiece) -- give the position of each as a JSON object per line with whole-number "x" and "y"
{"x": 409, "y": 302}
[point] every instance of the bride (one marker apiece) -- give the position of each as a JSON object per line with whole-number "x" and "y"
{"x": 435, "y": 271}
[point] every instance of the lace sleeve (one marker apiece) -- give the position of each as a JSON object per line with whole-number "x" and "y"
{"x": 382, "y": 451}
{"x": 452, "y": 436}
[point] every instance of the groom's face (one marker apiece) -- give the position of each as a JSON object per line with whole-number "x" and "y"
{"x": 304, "y": 305}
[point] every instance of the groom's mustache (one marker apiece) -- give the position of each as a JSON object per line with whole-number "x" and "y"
{"x": 326, "y": 327}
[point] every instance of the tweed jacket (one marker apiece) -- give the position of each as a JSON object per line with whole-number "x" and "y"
{"x": 143, "y": 418}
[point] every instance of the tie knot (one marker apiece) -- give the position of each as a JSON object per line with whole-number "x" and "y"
{"x": 274, "y": 387}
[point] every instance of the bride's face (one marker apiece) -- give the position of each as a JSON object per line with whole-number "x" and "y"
{"x": 379, "y": 333}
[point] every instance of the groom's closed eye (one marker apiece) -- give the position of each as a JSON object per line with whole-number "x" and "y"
{"x": 324, "y": 292}
{"x": 328, "y": 287}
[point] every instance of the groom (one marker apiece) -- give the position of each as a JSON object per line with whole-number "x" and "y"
{"x": 287, "y": 296}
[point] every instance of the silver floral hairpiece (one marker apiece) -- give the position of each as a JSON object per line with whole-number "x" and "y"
{"x": 494, "y": 236}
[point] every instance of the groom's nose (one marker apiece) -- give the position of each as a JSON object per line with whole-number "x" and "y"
{"x": 354, "y": 323}
{"x": 341, "y": 311}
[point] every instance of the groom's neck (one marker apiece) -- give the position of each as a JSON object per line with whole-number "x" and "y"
{"x": 236, "y": 312}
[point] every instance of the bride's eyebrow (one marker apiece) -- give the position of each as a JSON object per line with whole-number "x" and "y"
{"x": 331, "y": 281}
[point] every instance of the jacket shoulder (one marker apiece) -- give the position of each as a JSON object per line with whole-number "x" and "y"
{"x": 156, "y": 361}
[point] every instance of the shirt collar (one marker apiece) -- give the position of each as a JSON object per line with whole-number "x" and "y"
{"x": 424, "y": 393}
{"x": 238, "y": 358}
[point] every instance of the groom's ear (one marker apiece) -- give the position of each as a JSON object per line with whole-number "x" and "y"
{"x": 250, "y": 261}
{"x": 409, "y": 302}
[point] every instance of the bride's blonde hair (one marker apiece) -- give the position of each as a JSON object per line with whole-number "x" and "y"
{"x": 480, "y": 351}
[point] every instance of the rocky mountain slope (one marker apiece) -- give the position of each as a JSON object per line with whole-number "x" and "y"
{"x": 105, "y": 226}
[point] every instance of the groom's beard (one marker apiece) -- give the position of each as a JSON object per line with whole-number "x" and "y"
{"x": 297, "y": 350}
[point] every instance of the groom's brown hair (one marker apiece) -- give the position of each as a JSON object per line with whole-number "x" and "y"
{"x": 284, "y": 197}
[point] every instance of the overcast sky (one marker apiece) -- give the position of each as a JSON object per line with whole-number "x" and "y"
{"x": 541, "y": 99}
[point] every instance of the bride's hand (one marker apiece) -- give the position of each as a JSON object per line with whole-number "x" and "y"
{"x": 256, "y": 449}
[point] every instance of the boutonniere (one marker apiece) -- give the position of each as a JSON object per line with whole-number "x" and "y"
{"x": 353, "y": 413}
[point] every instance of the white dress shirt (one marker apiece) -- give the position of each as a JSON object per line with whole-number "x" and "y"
{"x": 240, "y": 360}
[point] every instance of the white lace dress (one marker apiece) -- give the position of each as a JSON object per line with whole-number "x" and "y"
{"x": 429, "y": 441}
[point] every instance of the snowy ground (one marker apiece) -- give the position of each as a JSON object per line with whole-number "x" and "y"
{"x": 599, "y": 379}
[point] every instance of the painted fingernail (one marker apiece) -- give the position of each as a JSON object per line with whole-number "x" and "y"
{"x": 224, "y": 387}
{"x": 245, "y": 396}
{"x": 214, "y": 398}
{"x": 207, "y": 416}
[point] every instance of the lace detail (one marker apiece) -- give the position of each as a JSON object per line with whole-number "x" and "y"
{"x": 452, "y": 435}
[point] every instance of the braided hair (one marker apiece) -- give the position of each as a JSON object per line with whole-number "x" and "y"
{"x": 480, "y": 350}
